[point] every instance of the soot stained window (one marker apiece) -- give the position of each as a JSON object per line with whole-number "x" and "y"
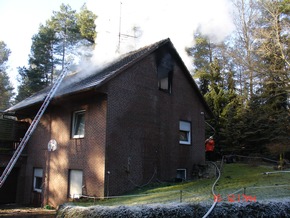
{"x": 165, "y": 72}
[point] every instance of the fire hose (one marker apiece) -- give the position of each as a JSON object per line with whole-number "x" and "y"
{"x": 212, "y": 189}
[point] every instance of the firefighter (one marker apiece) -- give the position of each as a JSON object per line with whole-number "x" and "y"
{"x": 209, "y": 149}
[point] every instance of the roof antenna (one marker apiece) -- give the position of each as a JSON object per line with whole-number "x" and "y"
{"x": 135, "y": 29}
{"x": 120, "y": 22}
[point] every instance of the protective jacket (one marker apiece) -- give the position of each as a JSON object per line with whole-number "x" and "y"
{"x": 209, "y": 145}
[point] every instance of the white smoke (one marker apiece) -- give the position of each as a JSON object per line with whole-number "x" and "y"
{"x": 156, "y": 20}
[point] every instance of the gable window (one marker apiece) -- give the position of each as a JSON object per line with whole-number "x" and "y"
{"x": 78, "y": 124}
{"x": 165, "y": 72}
{"x": 37, "y": 179}
{"x": 184, "y": 132}
{"x": 165, "y": 83}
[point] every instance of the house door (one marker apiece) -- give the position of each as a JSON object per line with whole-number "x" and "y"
{"x": 75, "y": 183}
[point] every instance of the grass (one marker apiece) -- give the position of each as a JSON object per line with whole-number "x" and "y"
{"x": 236, "y": 178}
{"x": 252, "y": 180}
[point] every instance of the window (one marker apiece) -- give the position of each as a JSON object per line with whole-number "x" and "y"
{"x": 164, "y": 72}
{"x": 165, "y": 84}
{"x": 78, "y": 125}
{"x": 181, "y": 174}
{"x": 75, "y": 183}
{"x": 184, "y": 132}
{"x": 37, "y": 179}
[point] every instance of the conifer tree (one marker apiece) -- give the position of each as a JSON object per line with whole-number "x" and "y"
{"x": 57, "y": 43}
{"x": 6, "y": 89}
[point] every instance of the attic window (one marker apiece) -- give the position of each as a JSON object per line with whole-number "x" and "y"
{"x": 165, "y": 84}
{"x": 78, "y": 124}
{"x": 165, "y": 72}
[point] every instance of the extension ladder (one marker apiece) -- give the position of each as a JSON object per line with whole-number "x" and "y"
{"x": 31, "y": 128}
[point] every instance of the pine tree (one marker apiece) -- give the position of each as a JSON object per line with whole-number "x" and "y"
{"x": 268, "y": 115}
{"x": 6, "y": 89}
{"x": 217, "y": 82}
{"x": 57, "y": 44}
{"x": 202, "y": 55}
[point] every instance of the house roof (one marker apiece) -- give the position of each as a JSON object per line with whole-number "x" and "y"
{"x": 86, "y": 80}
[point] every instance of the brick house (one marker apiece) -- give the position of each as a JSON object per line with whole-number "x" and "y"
{"x": 136, "y": 120}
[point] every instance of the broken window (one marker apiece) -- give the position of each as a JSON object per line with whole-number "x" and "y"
{"x": 184, "y": 132}
{"x": 37, "y": 179}
{"x": 165, "y": 72}
{"x": 78, "y": 125}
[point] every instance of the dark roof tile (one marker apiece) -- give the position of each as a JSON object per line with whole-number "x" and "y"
{"x": 85, "y": 80}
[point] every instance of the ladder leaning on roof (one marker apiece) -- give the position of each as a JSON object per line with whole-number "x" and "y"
{"x": 31, "y": 128}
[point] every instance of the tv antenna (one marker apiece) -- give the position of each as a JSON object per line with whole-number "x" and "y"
{"x": 120, "y": 30}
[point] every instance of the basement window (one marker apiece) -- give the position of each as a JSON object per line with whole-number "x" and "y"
{"x": 181, "y": 174}
{"x": 37, "y": 179}
{"x": 184, "y": 132}
{"x": 78, "y": 124}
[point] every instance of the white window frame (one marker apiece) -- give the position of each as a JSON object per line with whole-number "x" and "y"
{"x": 185, "y": 126}
{"x": 181, "y": 174}
{"x": 76, "y": 115}
{"x": 37, "y": 173}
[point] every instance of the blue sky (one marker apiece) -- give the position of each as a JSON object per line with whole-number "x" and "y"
{"x": 157, "y": 19}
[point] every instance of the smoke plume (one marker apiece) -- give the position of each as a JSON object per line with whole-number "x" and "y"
{"x": 126, "y": 25}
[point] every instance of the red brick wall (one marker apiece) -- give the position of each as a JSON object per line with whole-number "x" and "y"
{"x": 143, "y": 127}
{"x": 85, "y": 154}
{"x": 131, "y": 135}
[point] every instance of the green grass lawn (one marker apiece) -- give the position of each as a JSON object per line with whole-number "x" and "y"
{"x": 236, "y": 178}
{"x": 252, "y": 180}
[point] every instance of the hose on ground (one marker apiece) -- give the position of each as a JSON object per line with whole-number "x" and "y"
{"x": 212, "y": 190}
